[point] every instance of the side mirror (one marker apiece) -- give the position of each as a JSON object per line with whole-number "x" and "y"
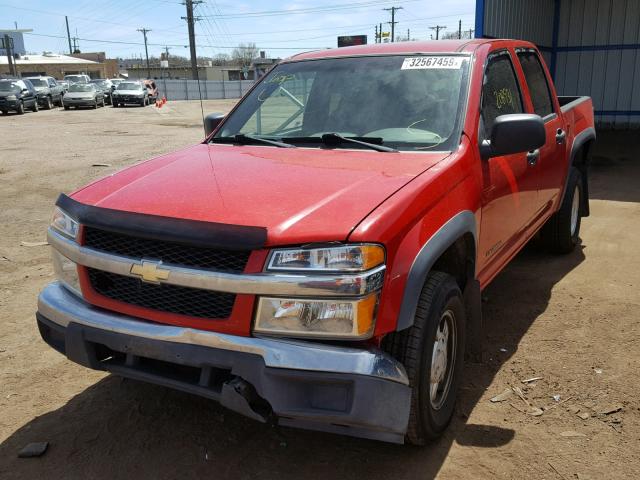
{"x": 212, "y": 121}
{"x": 515, "y": 133}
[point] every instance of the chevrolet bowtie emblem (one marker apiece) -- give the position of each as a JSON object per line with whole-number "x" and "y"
{"x": 149, "y": 271}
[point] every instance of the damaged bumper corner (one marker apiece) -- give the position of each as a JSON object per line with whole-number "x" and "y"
{"x": 357, "y": 392}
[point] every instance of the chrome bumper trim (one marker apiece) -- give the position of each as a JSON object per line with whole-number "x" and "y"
{"x": 62, "y": 307}
{"x": 278, "y": 284}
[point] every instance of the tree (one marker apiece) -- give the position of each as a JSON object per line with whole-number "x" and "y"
{"x": 221, "y": 59}
{"x": 244, "y": 54}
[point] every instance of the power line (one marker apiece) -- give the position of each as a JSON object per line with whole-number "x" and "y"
{"x": 323, "y": 9}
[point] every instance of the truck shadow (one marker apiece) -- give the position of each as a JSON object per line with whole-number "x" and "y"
{"x": 120, "y": 428}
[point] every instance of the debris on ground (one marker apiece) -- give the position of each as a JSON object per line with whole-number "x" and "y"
{"x": 100, "y": 164}
{"x": 531, "y": 380}
{"x": 35, "y": 449}
{"x": 610, "y": 409}
{"x": 506, "y": 394}
{"x": 583, "y": 415}
{"x": 572, "y": 434}
{"x": 556, "y": 398}
{"x": 597, "y": 370}
{"x": 34, "y": 244}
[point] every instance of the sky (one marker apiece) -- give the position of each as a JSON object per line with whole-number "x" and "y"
{"x": 279, "y": 28}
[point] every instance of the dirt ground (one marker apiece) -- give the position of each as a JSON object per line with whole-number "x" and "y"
{"x": 573, "y": 321}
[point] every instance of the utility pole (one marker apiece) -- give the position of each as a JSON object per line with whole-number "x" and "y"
{"x": 459, "y": 29}
{"x": 146, "y": 50}
{"x": 192, "y": 35}
{"x": 393, "y": 20}
{"x": 380, "y": 30}
{"x": 437, "y": 28}
{"x": 471, "y": 30}
{"x": 66, "y": 19}
{"x": 76, "y": 45}
{"x": 15, "y": 24}
{"x": 166, "y": 53}
{"x": 408, "y": 35}
{"x": 376, "y": 37}
{"x": 7, "y": 44}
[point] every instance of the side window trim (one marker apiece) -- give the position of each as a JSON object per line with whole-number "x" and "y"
{"x": 491, "y": 57}
{"x": 554, "y": 114}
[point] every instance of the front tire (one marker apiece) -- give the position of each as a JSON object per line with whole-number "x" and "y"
{"x": 432, "y": 351}
{"x": 48, "y": 104}
{"x": 35, "y": 107}
{"x": 561, "y": 233}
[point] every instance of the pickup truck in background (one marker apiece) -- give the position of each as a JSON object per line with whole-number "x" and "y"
{"x": 317, "y": 260}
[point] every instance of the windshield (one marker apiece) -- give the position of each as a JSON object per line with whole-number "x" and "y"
{"x": 38, "y": 82}
{"x": 129, "y": 86}
{"x": 79, "y": 87}
{"x": 410, "y": 103}
{"x": 75, "y": 78}
{"x": 9, "y": 87}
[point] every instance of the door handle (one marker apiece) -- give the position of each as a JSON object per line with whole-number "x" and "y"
{"x": 532, "y": 157}
{"x": 561, "y": 136}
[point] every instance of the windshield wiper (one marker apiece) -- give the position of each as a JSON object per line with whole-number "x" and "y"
{"x": 244, "y": 139}
{"x": 333, "y": 139}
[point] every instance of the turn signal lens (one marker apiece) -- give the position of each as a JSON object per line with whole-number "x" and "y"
{"x": 344, "y": 258}
{"x": 329, "y": 319}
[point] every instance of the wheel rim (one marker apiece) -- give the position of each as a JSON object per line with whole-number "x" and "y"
{"x": 443, "y": 360}
{"x": 575, "y": 210}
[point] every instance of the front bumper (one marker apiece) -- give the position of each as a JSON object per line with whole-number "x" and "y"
{"x": 358, "y": 392}
{"x": 8, "y": 104}
{"x": 79, "y": 102}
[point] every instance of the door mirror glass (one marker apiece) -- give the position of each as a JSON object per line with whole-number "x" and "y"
{"x": 515, "y": 133}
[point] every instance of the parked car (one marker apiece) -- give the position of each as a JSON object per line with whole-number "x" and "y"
{"x": 83, "y": 95}
{"x": 17, "y": 95}
{"x": 80, "y": 78}
{"x": 318, "y": 260}
{"x": 130, "y": 92}
{"x": 152, "y": 89}
{"x": 49, "y": 92}
{"x": 106, "y": 87}
{"x": 64, "y": 84}
{"x": 115, "y": 82}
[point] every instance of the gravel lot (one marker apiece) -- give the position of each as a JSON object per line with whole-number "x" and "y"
{"x": 571, "y": 320}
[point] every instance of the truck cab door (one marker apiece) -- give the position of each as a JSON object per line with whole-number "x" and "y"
{"x": 551, "y": 163}
{"x": 510, "y": 185}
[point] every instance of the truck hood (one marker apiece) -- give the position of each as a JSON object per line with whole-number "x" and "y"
{"x": 299, "y": 195}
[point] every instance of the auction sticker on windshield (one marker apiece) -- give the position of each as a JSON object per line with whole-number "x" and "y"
{"x": 412, "y": 63}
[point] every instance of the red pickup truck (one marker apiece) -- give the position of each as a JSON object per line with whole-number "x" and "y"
{"x": 317, "y": 260}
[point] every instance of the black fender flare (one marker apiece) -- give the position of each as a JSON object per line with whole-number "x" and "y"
{"x": 580, "y": 140}
{"x": 460, "y": 224}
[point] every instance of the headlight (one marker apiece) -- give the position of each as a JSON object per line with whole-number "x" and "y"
{"x": 328, "y": 319}
{"x": 66, "y": 271}
{"x": 344, "y": 258}
{"x": 64, "y": 224}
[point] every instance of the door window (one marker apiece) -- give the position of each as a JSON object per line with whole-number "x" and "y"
{"x": 500, "y": 91}
{"x": 537, "y": 83}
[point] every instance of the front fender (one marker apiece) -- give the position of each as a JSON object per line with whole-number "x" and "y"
{"x": 460, "y": 224}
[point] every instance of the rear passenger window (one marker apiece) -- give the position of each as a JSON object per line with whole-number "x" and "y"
{"x": 500, "y": 91}
{"x": 537, "y": 83}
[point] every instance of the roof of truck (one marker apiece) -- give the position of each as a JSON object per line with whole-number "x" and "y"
{"x": 411, "y": 48}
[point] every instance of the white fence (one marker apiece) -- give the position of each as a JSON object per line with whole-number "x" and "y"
{"x": 211, "y": 89}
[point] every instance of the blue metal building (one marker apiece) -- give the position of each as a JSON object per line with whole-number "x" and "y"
{"x": 592, "y": 47}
